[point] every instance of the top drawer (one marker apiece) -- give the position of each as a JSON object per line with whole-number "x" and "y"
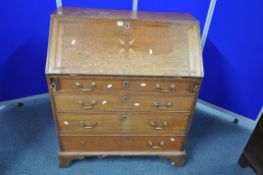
{"x": 89, "y": 84}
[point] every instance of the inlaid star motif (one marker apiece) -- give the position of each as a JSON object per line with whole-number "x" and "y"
{"x": 126, "y": 46}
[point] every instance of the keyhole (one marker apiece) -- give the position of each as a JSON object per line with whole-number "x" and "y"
{"x": 126, "y": 83}
{"x": 127, "y": 25}
{"x": 125, "y": 99}
{"x": 124, "y": 117}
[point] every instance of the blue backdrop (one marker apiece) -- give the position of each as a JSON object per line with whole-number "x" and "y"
{"x": 232, "y": 55}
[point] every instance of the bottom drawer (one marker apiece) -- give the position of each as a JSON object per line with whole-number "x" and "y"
{"x": 117, "y": 143}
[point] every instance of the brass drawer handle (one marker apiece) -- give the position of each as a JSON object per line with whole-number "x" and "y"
{"x": 158, "y": 125}
{"x": 92, "y": 86}
{"x": 92, "y": 125}
{"x": 82, "y": 104}
{"x": 161, "y": 144}
{"x": 158, "y": 86}
{"x": 166, "y": 106}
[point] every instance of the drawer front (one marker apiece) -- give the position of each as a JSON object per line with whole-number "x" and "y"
{"x": 117, "y": 143}
{"x": 111, "y": 102}
{"x": 123, "y": 123}
{"x": 88, "y": 85}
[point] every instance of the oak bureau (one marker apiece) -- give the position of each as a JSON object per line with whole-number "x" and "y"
{"x": 123, "y": 83}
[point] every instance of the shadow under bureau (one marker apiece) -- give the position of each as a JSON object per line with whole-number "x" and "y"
{"x": 123, "y": 83}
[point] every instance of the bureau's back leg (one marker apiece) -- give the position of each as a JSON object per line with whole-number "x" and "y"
{"x": 243, "y": 162}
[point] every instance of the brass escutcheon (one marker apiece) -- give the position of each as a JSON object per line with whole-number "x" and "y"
{"x": 125, "y": 98}
{"x": 53, "y": 85}
{"x": 126, "y": 83}
{"x": 124, "y": 117}
{"x": 196, "y": 87}
{"x": 123, "y": 138}
{"x": 127, "y": 25}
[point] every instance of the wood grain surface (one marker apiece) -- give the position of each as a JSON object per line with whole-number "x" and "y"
{"x": 119, "y": 44}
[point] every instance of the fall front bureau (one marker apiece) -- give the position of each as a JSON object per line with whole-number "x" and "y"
{"x": 123, "y": 83}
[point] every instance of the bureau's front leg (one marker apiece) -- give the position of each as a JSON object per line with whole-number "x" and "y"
{"x": 178, "y": 160}
{"x": 65, "y": 160}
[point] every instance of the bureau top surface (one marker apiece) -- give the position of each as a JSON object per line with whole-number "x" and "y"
{"x": 124, "y": 43}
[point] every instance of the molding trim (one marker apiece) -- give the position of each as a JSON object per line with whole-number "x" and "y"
{"x": 226, "y": 114}
{"x": 23, "y": 99}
